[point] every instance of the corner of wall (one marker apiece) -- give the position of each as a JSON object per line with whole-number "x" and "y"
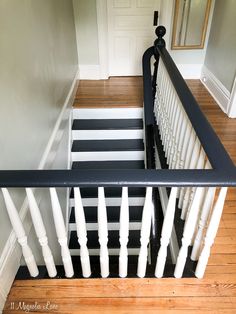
{"x": 89, "y": 72}
{"x": 215, "y": 88}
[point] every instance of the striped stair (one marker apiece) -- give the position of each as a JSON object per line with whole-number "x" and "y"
{"x": 107, "y": 139}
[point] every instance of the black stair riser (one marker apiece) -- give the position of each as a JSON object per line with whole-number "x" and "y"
{"x": 113, "y": 214}
{"x": 107, "y": 124}
{"x": 119, "y": 164}
{"x": 109, "y": 192}
{"x": 113, "y": 239}
{"x": 107, "y": 145}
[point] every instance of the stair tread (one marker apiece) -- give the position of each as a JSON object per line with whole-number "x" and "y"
{"x": 107, "y": 124}
{"x": 113, "y": 239}
{"x": 109, "y": 192}
{"x": 113, "y": 214}
{"x": 116, "y": 164}
{"x": 107, "y": 145}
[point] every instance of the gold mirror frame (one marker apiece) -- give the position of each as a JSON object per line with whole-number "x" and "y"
{"x": 203, "y": 32}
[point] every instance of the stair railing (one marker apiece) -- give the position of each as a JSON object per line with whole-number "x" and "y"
{"x": 196, "y": 173}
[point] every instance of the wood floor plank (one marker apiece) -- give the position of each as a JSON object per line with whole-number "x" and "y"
{"x": 112, "y": 93}
{"x": 126, "y": 305}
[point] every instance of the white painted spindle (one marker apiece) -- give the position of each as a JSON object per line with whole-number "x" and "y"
{"x": 200, "y": 165}
{"x": 61, "y": 233}
{"x": 188, "y": 232}
{"x": 211, "y": 233}
{"x": 103, "y": 233}
{"x": 124, "y": 233}
{"x": 166, "y": 233}
{"x": 145, "y": 233}
{"x": 192, "y": 165}
{"x": 189, "y": 149}
{"x": 82, "y": 234}
{"x": 41, "y": 233}
{"x": 206, "y": 208}
{"x": 20, "y": 233}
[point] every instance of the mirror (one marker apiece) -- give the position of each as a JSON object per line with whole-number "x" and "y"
{"x": 190, "y": 24}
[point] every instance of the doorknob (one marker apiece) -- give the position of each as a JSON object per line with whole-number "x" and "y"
{"x": 155, "y": 18}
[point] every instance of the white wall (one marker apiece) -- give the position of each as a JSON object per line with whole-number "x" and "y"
{"x": 38, "y": 62}
{"x": 85, "y": 14}
{"x": 189, "y": 61}
{"x": 219, "y": 70}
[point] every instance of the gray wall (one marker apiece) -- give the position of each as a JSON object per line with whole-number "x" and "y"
{"x": 85, "y": 12}
{"x": 221, "y": 49}
{"x": 38, "y": 61}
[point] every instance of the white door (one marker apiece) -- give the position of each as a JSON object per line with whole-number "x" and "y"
{"x": 130, "y": 33}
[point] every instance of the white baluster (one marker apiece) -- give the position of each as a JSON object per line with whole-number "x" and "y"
{"x": 166, "y": 233}
{"x": 181, "y": 132}
{"x": 191, "y": 191}
{"x": 20, "y": 233}
{"x": 61, "y": 233}
{"x": 206, "y": 208}
{"x": 192, "y": 165}
{"x": 145, "y": 233}
{"x": 82, "y": 234}
{"x": 169, "y": 150}
{"x": 124, "y": 233}
{"x": 173, "y": 151}
{"x": 41, "y": 233}
{"x": 188, "y": 232}
{"x": 211, "y": 233}
{"x": 187, "y": 158}
{"x": 103, "y": 233}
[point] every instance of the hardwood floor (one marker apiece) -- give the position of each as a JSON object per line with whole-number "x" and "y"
{"x": 216, "y": 293}
{"x": 114, "y": 92}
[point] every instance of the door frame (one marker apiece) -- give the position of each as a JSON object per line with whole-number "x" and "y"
{"x": 103, "y": 47}
{"x": 102, "y": 26}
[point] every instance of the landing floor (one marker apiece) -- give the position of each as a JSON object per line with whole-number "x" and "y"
{"x": 216, "y": 293}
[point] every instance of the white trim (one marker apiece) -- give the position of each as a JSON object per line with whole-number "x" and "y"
{"x": 110, "y": 225}
{"x": 232, "y": 102}
{"x": 11, "y": 254}
{"x": 96, "y": 252}
{"x": 107, "y": 134}
{"x": 102, "y": 38}
{"x": 215, "y": 88}
{"x": 107, "y": 155}
{"x": 110, "y": 113}
{"x": 190, "y": 71}
{"x": 89, "y": 71}
{"x": 110, "y": 201}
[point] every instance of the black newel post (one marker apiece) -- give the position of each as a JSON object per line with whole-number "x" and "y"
{"x": 157, "y": 220}
{"x": 158, "y": 43}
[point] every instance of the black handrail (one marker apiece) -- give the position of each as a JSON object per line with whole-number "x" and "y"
{"x": 116, "y": 178}
{"x": 222, "y": 174}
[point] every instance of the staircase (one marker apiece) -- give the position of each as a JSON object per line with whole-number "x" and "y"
{"x": 108, "y": 139}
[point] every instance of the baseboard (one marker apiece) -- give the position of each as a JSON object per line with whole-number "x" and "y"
{"x": 232, "y": 102}
{"x": 215, "y": 88}
{"x": 190, "y": 71}
{"x": 11, "y": 254}
{"x": 89, "y": 72}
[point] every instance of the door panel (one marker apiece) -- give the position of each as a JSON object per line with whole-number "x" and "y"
{"x": 130, "y": 33}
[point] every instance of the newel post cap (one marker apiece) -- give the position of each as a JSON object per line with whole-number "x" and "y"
{"x": 160, "y": 32}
